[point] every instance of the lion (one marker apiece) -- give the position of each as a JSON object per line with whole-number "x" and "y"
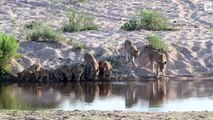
{"x": 77, "y": 72}
{"x": 132, "y": 52}
{"x": 25, "y": 75}
{"x": 105, "y": 70}
{"x": 90, "y": 67}
{"x": 158, "y": 60}
{"x": 35, "y": 72}
{"x": 41, "y": 74}
{"x": 63, "y": 73}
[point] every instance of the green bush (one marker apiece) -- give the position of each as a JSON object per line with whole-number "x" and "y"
{"x": 36, "y": 31}
{"x": 79, "y": 22}
{"x": 148, "y": 20}
{"x": 155, "y": 41}
{"x": 131, "y": 25}
{"x": 81, "y": 0}
{"x": 77, "y": 45}
{"x": 8, "y": 51}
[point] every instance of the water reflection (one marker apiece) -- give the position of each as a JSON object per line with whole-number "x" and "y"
{"x": 145, "y": 96}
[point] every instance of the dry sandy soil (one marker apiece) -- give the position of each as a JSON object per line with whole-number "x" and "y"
{"x": 99, "y": 115}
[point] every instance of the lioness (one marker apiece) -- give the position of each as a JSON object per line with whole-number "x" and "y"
{"x": 41, "y": 74}
{"x": 77, "y": 72}
{"x": 25, "y": 75}
{"x": 105, "y": 70}
{"x": 36, "y": 72}
{"x": 132, "y": 52}
{"x": 157, "y": 59}
{"x": 91, "y": 67}
{"x": 63, "y": 73}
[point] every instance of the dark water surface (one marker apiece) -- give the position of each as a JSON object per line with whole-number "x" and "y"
{"x": 149, "y": 96}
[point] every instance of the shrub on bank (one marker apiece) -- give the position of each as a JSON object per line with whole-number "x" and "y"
{"x": 36, "y": 31}
{"x": 8, "y": 50}
{"x": 79, "y": 22}
{"x": 148, "y": 20}
{"x": 81, "y": 0}
{"x": 157, "y": 42}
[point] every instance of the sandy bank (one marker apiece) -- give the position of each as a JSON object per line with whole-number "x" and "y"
{"x": 100, "y": 115}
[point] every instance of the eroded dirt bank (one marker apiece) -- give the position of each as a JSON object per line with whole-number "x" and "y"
{"x": 100, "y": 115}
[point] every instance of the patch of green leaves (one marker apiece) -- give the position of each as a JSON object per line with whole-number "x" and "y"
{"x": 148, "y": 20}
{"x": 8, "y": 50}
{"x": 79, "y": 22}
{"x": 131, "y": 25}
{"x": 155, "y": 41}
{"x": 36, "y": 31}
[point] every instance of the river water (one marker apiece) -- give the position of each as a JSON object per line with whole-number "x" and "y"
{"x": 152, "y": 96}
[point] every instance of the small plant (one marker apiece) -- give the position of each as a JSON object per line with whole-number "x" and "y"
{"x": 155, "y": 41}
{"x": 8, "y": 51}
{"x": 79, "y": 22}
{"x": 81, "y": 1}
{"x": 79, "y": 46}
{"x": 131, "y": 25}
{"x": 148, "y": 20}
{"x": 153, "y": 20}
{"x": 32, "y": 25}
{"x": 36, "y": 31}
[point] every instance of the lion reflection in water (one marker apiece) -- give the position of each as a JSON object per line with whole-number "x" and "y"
{"x": 155, "y": 92}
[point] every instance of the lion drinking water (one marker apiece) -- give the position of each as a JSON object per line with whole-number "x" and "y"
{"x": 105, "y": 70}
{"x": 91, "y": 67}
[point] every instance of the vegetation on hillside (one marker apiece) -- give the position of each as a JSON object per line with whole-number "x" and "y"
{"x": 79, "y": 21}
{"x": 148, "y": 20}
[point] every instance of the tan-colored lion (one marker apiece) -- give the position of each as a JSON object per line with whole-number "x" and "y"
{"x": 90, "y": 67}
{"x": 36, "y": 72}
{"x": 158, "y": 60}
{"x": 42, "y": 74}
{"x": 105, "y": 70}
{"x": 25, "y": 75}
{"x": 63, "y": 73}
{"x": 132, "y": 52}
{"x": 78, "y": 72}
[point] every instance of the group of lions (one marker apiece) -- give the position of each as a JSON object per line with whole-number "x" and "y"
{"x": 90, "y": 69}
{"x": 157, "y": 57}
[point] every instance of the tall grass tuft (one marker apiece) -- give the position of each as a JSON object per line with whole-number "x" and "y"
{"x": 155, "y": 41}
{"x": 79, "y": 22}
{"x": 8, "y": 51}
{"x": 148, "y": 20}
{"x": 36, "y": 31}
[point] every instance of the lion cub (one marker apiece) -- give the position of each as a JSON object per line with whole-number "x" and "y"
{"x": 77, "y": 72}
{"x": 105, "y": 70}
{"x": 90, "y": 67}
{"x": 157, "y": 59}
{"x": 132, "y": 52}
